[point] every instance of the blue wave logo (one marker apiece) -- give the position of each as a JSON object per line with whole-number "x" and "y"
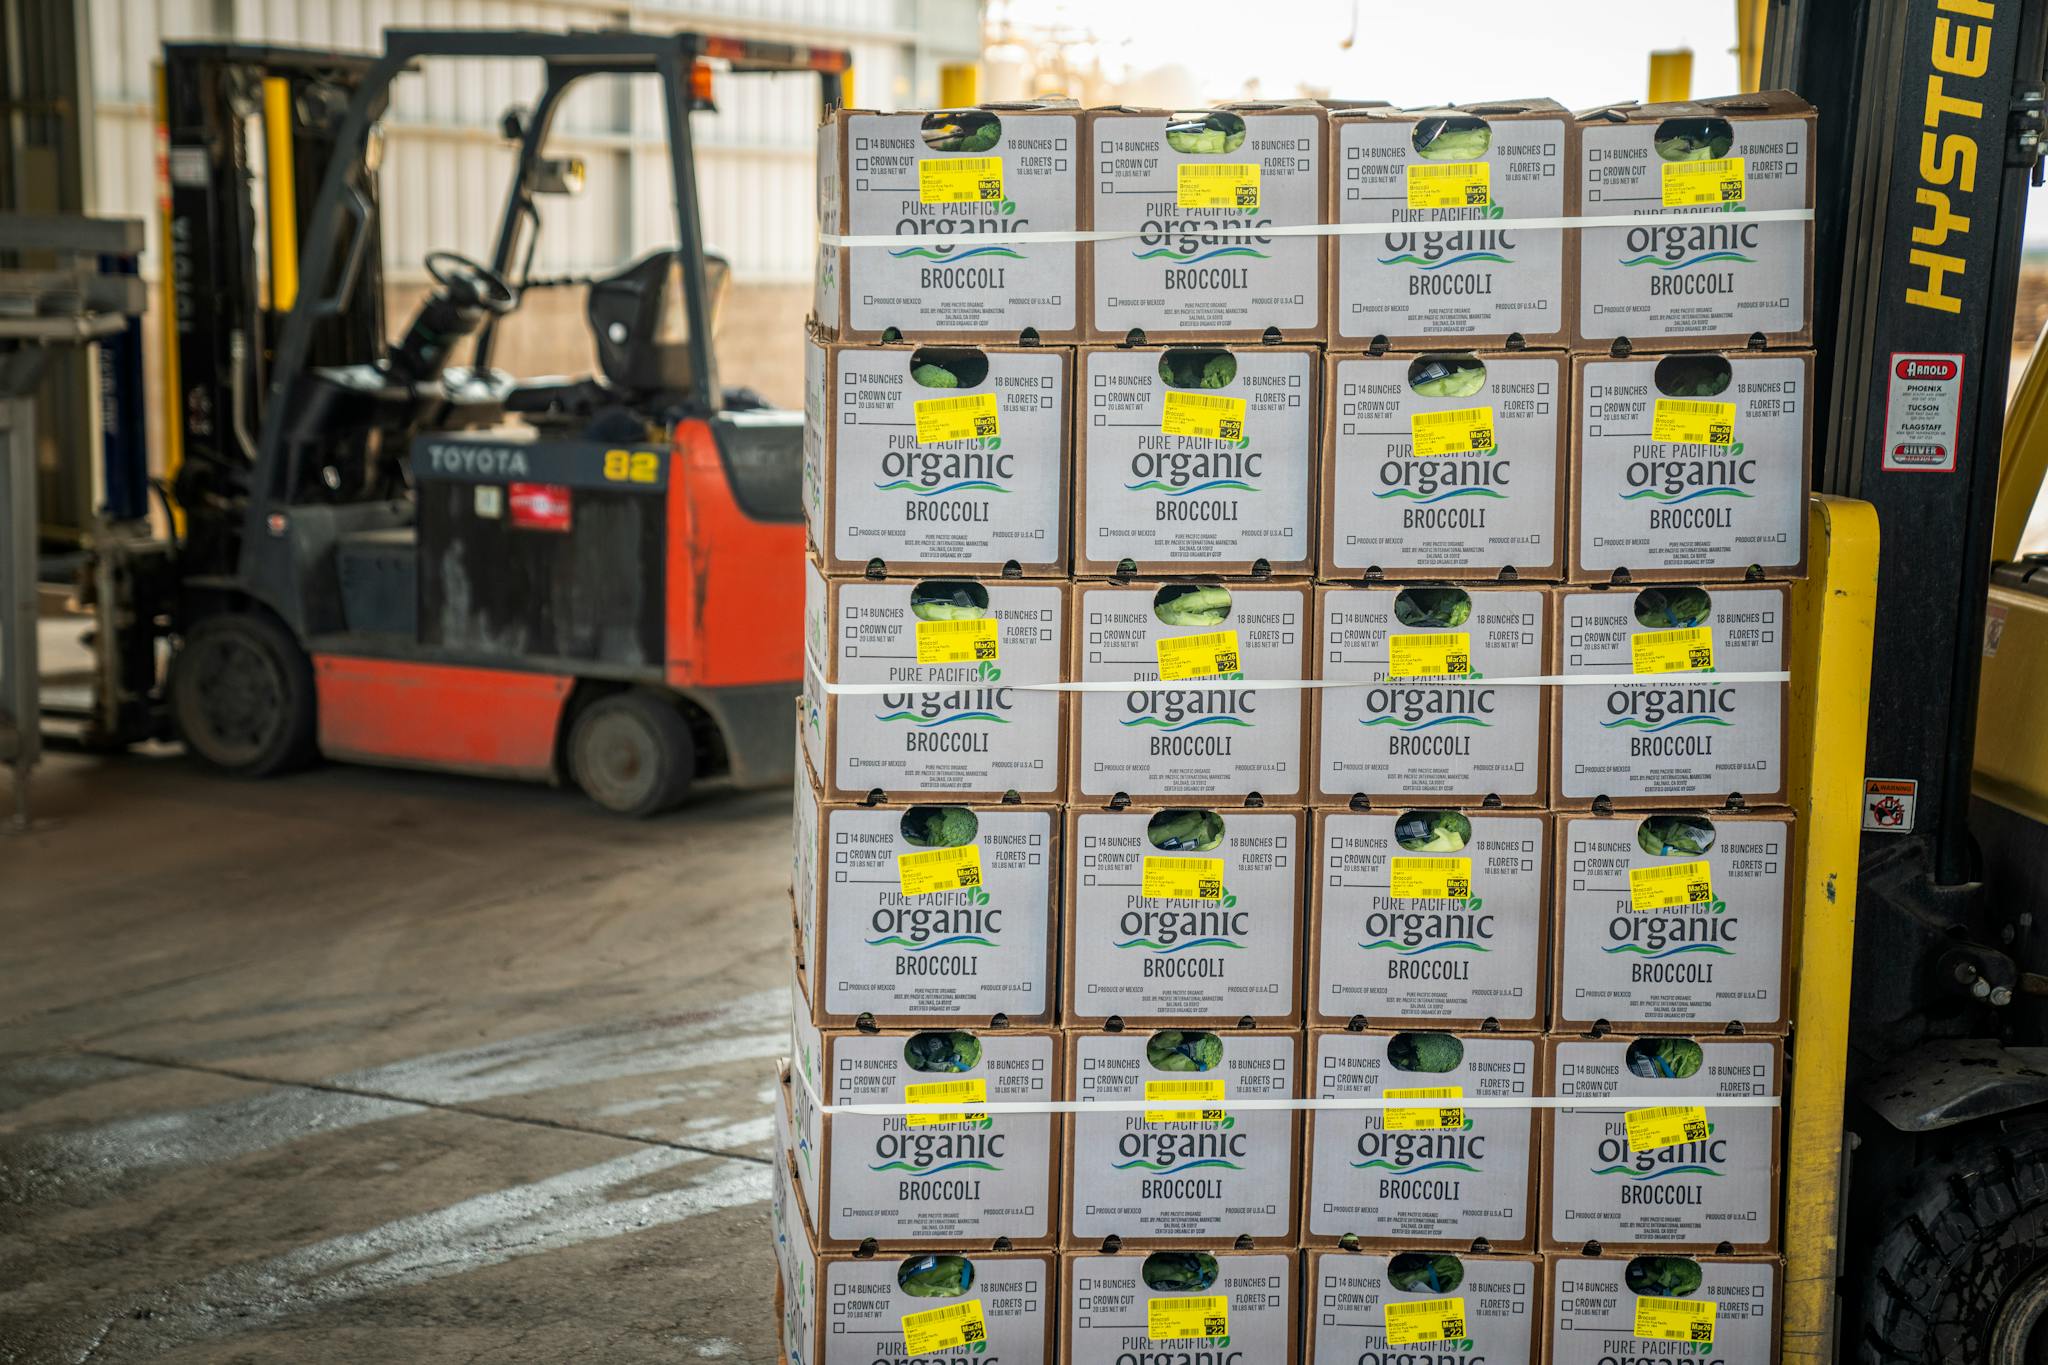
{"x": 1669, "y": 263}
{"x": 948, "y": 254}
{"x": 1159, "y": 724}
{"x": 1672, "y": 499}
{"x": 1406, "y": 258}
{"x": 1156, "y": 252}
{"x": 1421, "y": 501}
{"x": 1631, "y": 723}
{"x": 926, "y": 722}
{"x": 918, "y": 490}
{"x": 1155, "y": 486}
{"x": 1456, "y": 718}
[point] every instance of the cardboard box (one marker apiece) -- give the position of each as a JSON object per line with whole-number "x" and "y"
{"x": 959, "y": 731}
{"x": 1169, "y": 1184}
{"x": 874, "y": 493}
{"x": 1719, "y": 1192}
{"x": 1108, "y": 1306}
{"x": 1673, "y": 739}
{"x": 1645, "y": 510}
{"x": 1447, "y": 274}
{"x": 1176, "y": 279}
{"x": 1207, "y": 739}
{"x": 956, "y": 276}
{"x": 1493, "y": 513}
{"x": 1400, "y": 740}
{"x": 1698, "y": 967}
{"x": 1153, "y": 503}
{"x": 1436, "y": 962}
{"x": 1349, "y": 1291}
{"x": 1230, "y": 960}
{"x": 1593, "y": 1309}
{"x": 1721, "y": 281}
{"x": 928, "y": 1186}
{"x": 981, "y": 955}
{"x": 1424, "y": 1187}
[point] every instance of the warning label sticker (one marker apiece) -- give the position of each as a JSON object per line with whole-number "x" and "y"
{"x": 1923, "y": 398}
{"x": 1888, "y": 804}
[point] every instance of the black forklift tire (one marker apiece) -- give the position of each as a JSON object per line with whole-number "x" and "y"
{"x": 241, "y": 693}
{"x": 633, "y": 753}
{"x": 1962, "y": 1272}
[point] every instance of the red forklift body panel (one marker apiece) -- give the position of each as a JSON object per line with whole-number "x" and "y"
{"x": 494, "y": 721}
{"x": 735, "y": 583}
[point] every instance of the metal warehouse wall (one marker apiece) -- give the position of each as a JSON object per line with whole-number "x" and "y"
{"x": 445, "y": 169}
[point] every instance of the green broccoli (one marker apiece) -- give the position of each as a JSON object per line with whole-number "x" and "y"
{"x": 1183, "y": 1050}
{"x": 1185, "y": 831}
{"x": 1694, "y": 139}
{"x": 1433, "y": 831}
{"x": 1662, "y": 835}
{"x": 935, "y": 1277}
{"x": 1197, "y": 369}
{"x": 940, "y": 599}
{"x": 1417, "y": 1272}
{"x": 939, "y": 826}
{"x": 1670, "y": 1277}
{"x": 1664, "y": 1058}
{"x": 1693, "y": 376}
{"x": 1442, "y": 608}
{"x": 1179, "y": 1272}
{"x": 942, "y": 1051}
{"x": 1457, "y": 138}
{"x": 934, "y": 376}
{"x": 1425, "y": 1052}
{"x": 1672, "y": 608}
{"x": 1192, "y": 604}
{"x": 1209, "y": 134}
{"x": 1447, "y": 376}
{"x": 968, "y": 133}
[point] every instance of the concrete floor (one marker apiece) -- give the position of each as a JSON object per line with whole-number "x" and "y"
{"x": 378, "y": 1066}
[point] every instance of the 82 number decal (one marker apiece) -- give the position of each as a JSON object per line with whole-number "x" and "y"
{"x": 632, "y": 466}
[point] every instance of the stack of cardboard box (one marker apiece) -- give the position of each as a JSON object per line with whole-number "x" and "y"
{"x": 1446, "y": 467}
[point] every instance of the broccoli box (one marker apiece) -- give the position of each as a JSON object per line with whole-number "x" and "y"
{"x": 925, "y": 914}
{"x": 950, "y": 653}
{"x": 1421, "y": 718}
{"x": 1190, "y": 1171}
{"x": 1432, "y": 918}
{"x": 1202, "y": 736}
{"x": 1440, "y": 177}
{"x": 1717, "y": 277}
{"x": 1174, "y": 179}
{"x": 1646, "y": 1160}
{"x": 1216, "y": 1307}
{"x": 1184, "y": 916}
{"x": 1486, "y": 1307}
{"x": 1664, "y": 731}
{"x": 1674, "y": 922}
{"x": 954, "y": 185}
{"x": 948, "y": 1179}
{"x": 1196, "y": 460}
{"x": 1435, "y": 1175}
{"x": 1691, "y": 466}
{"x": 934, "y": 458}
{"x": 1449, "y": 465}
{"x": 1643, "y": 1309}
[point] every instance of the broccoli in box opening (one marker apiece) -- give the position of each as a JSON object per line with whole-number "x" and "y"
{"x": 1447, "y": 376}
{"x": 1666, "y": 1277}
{"x": 1415, "y": 1272}
{"x": 1184, "y": 1050}
{"x": 1433, "y": 831}
{"x": 1185, "y": 831}
{"x": 1436, "y": 1052}
{"x": 1179, "y": 1272}
{"x": 1438, "y": 608}
{"x": 1192, "y": 604}
{"x": 935, "y": 1277}
{"x": 949, "y": 600}
{"x": 1197, "y": 369}
{"x": 1205, "y": 133}
{"x": 1664, "y": 1058}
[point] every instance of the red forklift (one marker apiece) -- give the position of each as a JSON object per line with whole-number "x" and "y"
{"x": 384, "y": 557}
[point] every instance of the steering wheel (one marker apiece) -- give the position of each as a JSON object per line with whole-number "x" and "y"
{"x": 470, "y": 284}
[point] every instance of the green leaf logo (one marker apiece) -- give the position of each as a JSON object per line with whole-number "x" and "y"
{"x": 988, "y": 670}
{"x": 1496, "y": 211}
{"x": 991, "y": 443}
{"x": 978, "y": 896}
{"x": 1229, "y": 898}
{"x": 1007, "y": 207}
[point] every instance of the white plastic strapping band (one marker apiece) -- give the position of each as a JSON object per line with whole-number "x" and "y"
{"x": 833, "y": 689}
{"x": 1693, "y": 217}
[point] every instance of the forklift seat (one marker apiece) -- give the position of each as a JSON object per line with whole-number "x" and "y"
{"x": 643, "y": 352}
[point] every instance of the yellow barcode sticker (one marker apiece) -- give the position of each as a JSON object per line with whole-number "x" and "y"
{"x": 1203, "y": 185}
{"x": 944, "y": 1329}
{"x": 1688, "y": 1320}
{"x": 968, "y": 1090}
{"x": 1206, "y": 1091}
{"x": 965, "y": 417}
{"x": 939, "y": 869}
{"x": 1721, "y": 181}
{"x": 1429, "y": 878}
{"x": 1670, "y": 884}
{"x": 1452, "y": 431}
{"x": 1178, "y": 1319}
{"x": 957, "y": 642}
{"x": 1428, "y": 656}
{"x": 1214, "y": 415}
{"x": 1421, "y": 1320}
{"x": 1665, "y": 1126}
{"x": 960, "y": 180}
{"x": 1181, "y": 879}
{"x": 1693, "y": 422}
{"x": 1197, "y": 656}
{"x": 1450, "y": 185}
{"x": 1400, "y": 1117}
{"x": 1671, "y": 651}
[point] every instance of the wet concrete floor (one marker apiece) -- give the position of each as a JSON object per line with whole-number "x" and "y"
{"x": 375, "y": 1066}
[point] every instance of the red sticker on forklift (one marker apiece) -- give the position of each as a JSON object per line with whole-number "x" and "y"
{"x": 540, "y": 506}
{"x": 1922, "y": 411}
{"x": 1889, "y": 805}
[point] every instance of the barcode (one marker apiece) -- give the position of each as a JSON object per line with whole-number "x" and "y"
{"x": 971, "y": 1308}
{"x": 1663, "y": 874}
{"x": 1443, "y": 171}
{"x": 1174, "y": 1090}
{"x": 1687, "y": 407}
{"x": 972, "y": 400}
{"x": 1433, "y": 1306}
{"x": 1177, "y": 864}
{"x": 971, "y": 626}
{"x": 937, "y": 855}
{"x": 1685, "y": 636}
{"x": 1209, "y": 169}
{"x": 1205, "y": 400}
{"x": 1209, "y": 641}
